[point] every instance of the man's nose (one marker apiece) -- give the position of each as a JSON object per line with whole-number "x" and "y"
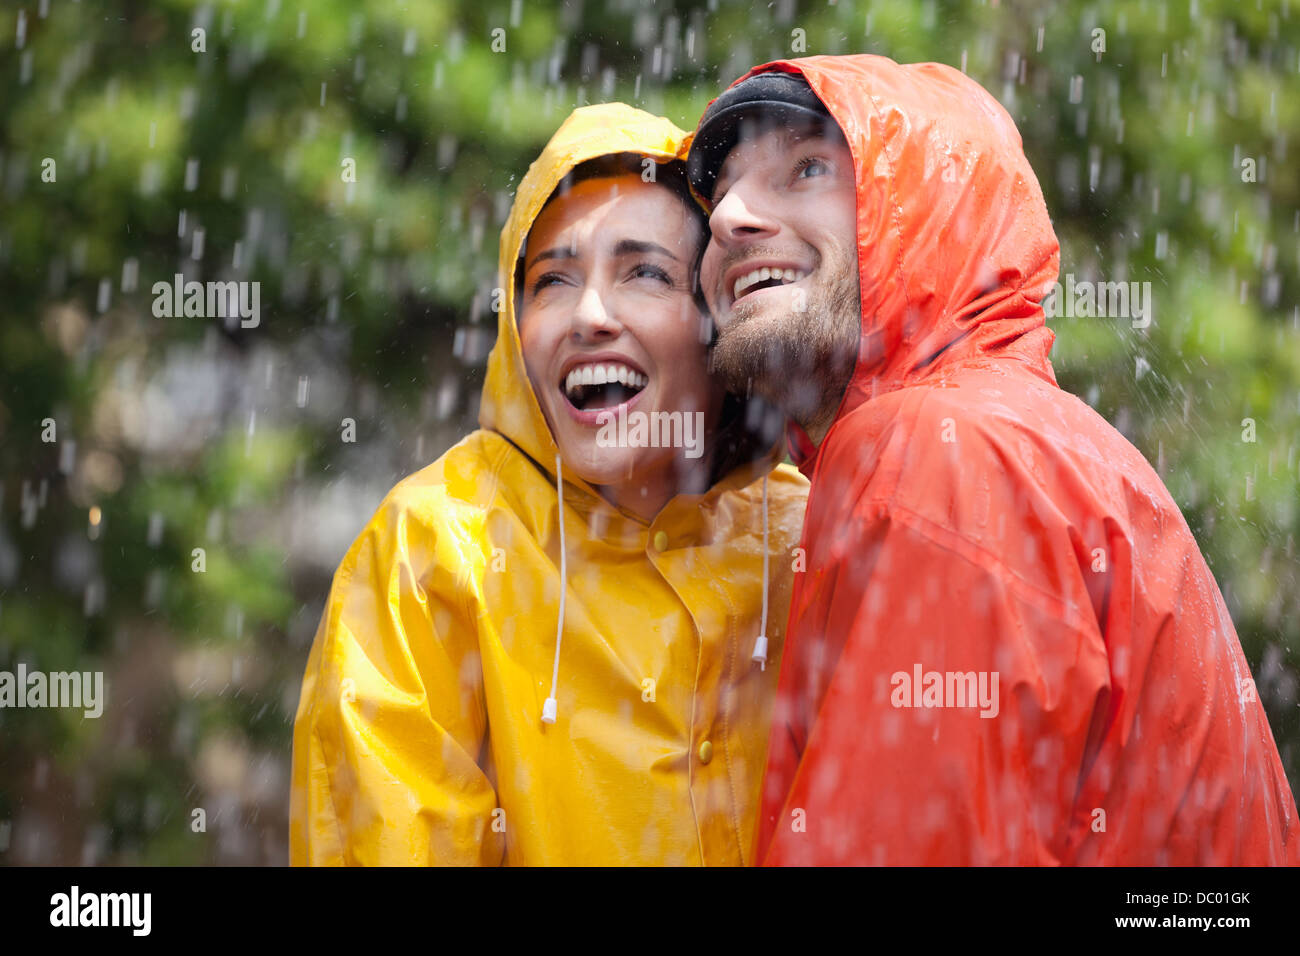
{"x": 744, "y": 213}
{"x": 593, "y": 319}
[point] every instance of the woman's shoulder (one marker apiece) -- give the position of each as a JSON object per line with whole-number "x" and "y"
{"x": 790, "y": 479}
{"x": 785, "y": 483}
{"x": 480, "y": 473}
{"x": 787, "y": 493}
{"x": 437, "y": 519}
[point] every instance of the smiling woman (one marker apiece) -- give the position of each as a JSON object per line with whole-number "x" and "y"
{"x": 611, "y": 328}
{"x": 549, "y": 648}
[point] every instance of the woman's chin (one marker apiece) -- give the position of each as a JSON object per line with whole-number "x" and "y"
{"x": 623, "y": 468}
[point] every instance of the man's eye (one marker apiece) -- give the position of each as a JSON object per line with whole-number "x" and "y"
{"x": 809, "y": 167}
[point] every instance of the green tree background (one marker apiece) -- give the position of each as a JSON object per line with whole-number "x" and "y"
{"x": 1161, "y": 143}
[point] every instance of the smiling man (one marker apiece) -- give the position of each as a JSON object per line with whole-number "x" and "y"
{"x": 879, "y": 254}
{"x": 771, "y": 274}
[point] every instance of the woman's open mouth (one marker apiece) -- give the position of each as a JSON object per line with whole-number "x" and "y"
{"x": 597, "y": 386}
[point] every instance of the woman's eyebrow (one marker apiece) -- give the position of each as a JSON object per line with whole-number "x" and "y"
{"x": 626, "y": 247}
{"x": 558, "y": 252}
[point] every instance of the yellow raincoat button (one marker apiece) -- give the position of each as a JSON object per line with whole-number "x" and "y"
{"x": 661, "y": 541}
{"x": 706, "y": 751}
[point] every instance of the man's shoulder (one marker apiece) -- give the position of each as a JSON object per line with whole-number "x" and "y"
{"x": 948, "y": 425}
{"x": 971, "y": 448}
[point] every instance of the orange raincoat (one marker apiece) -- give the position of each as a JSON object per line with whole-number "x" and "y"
{"x": 1007, "y": 647}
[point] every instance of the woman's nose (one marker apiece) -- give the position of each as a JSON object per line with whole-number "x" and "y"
{"x": 594, "y": 318}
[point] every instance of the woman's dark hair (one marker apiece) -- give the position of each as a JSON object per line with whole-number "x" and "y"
{"x": 747, "y": 427}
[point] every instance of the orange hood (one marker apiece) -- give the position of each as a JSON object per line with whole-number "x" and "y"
{"x": 955, "y": 247}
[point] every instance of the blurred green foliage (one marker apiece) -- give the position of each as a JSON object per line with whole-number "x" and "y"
{"x": 226, "y": 164}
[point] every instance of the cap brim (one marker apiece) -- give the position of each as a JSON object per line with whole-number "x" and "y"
{"x": 715, "y": 140}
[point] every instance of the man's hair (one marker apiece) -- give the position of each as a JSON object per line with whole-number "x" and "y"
{"x": 775, "y": 99}
{"x": 671, "y": 175}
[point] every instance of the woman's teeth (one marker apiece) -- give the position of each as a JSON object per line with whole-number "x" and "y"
{"x": 603, "y": 374}
{"x": 783, "y": 276}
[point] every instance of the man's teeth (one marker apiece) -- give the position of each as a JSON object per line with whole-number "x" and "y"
{"x": 762, "y": 275}
{"x": 604, "y": 375}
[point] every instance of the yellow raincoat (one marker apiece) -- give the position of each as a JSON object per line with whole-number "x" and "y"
{"x": 419, "y": 735}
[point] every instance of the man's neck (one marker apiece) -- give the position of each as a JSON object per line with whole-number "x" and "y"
{"x": 816, "y": 431}
{"x": 816, "y": 424}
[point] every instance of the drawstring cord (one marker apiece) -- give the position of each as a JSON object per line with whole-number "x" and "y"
{"x": 760, "y": 646}
{"x": 550, "y": 707}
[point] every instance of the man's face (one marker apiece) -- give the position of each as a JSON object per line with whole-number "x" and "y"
{"x": 780, "y": 273}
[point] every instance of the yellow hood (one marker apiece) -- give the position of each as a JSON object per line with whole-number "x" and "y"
{"x": 508, "y": 404}
{"x": 420, "y": 737}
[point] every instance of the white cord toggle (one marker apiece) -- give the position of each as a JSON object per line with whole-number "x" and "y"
{"x": 760, "y": 646}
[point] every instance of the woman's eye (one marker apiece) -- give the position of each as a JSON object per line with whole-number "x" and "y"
{"x": 546, "y": 279}
{"x": 647, "y": 271}
{"x": 809, "y": 167}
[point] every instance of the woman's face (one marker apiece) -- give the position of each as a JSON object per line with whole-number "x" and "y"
{"x": 612, "y": 336}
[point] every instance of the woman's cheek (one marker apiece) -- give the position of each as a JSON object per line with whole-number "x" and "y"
{"x": 535, "y": 359}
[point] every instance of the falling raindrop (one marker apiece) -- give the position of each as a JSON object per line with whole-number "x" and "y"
{"x": 67, "y": 456}
{"x": 155, "y": 532}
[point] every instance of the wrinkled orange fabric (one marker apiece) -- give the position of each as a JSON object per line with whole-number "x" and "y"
{"x": 968, "y": 516}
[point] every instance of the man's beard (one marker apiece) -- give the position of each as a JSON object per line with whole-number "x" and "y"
{"x": 799, "y": 361}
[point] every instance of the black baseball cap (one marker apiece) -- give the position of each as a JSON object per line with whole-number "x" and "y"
{"x": 774, "y": 97}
